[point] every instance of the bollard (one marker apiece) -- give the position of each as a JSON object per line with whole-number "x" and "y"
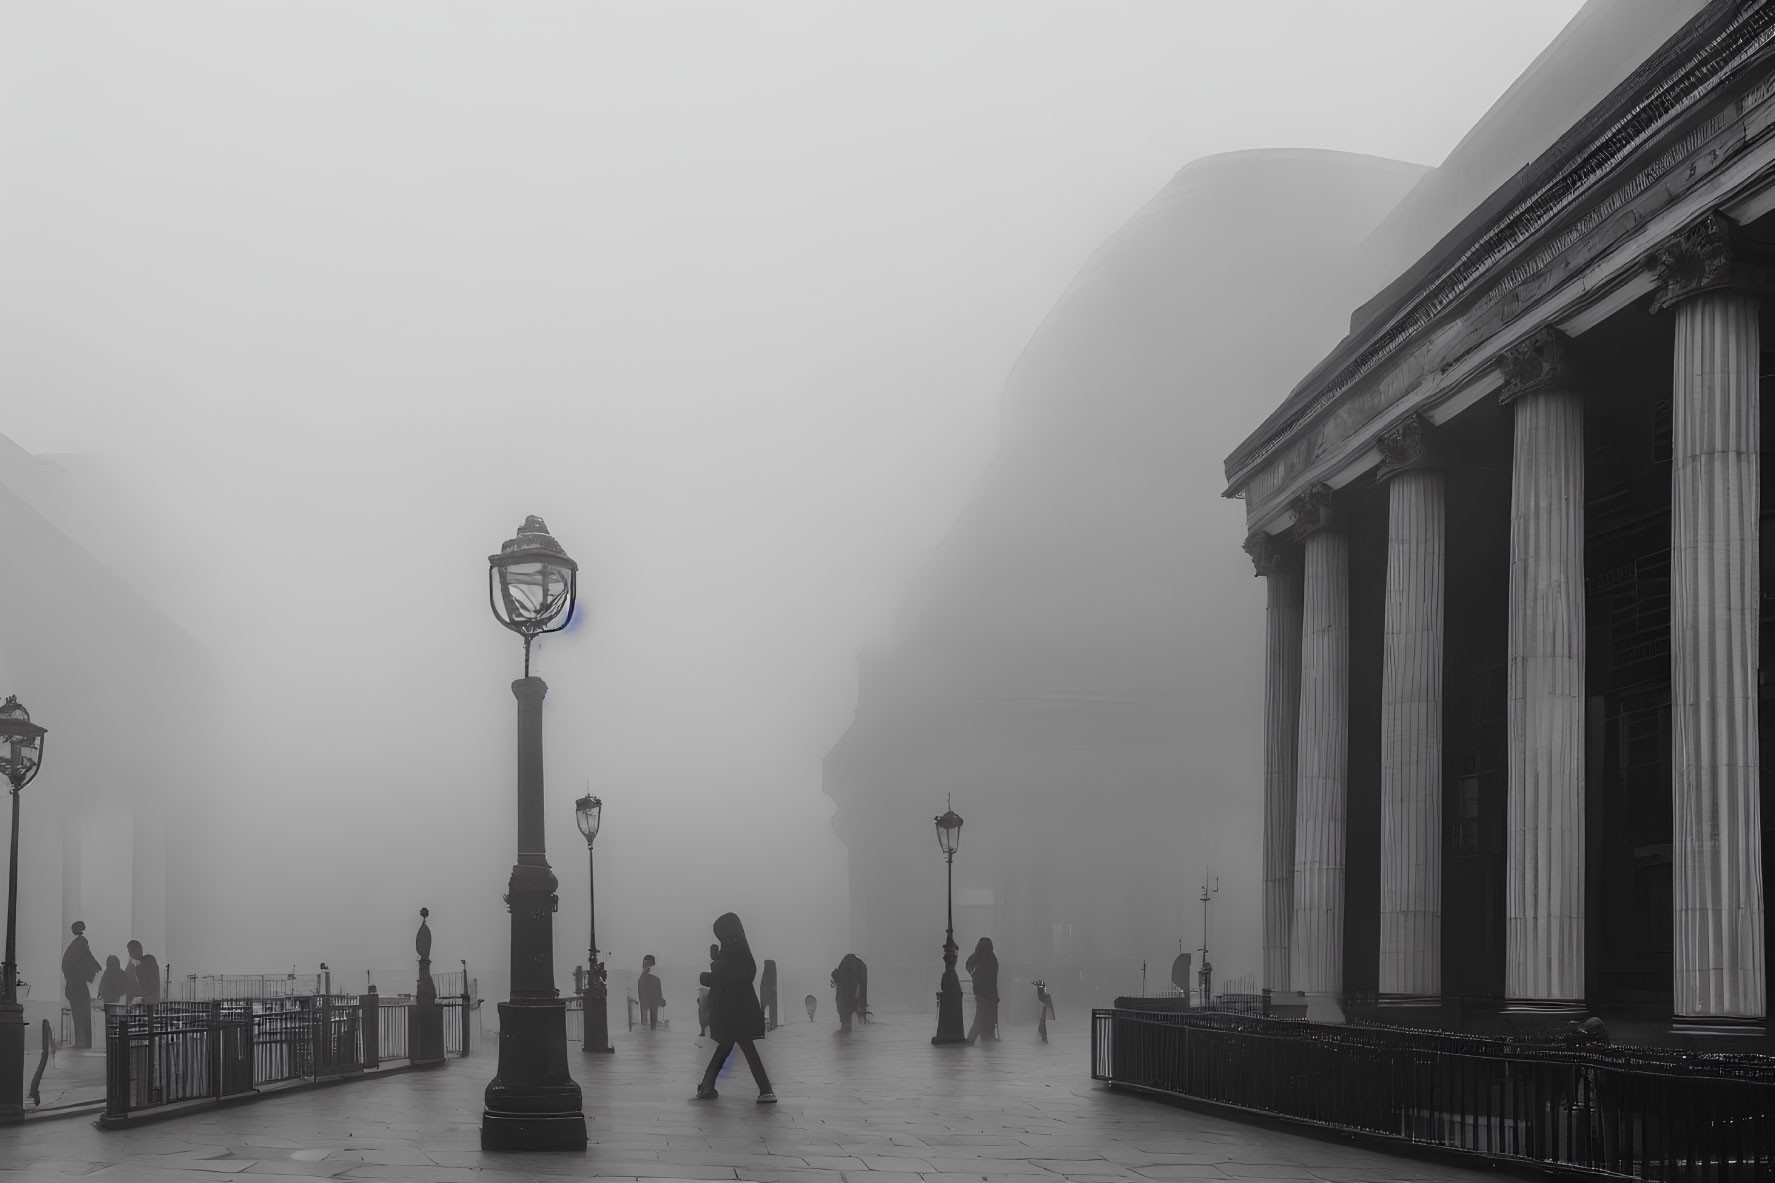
{"x": 370, "y": 1024}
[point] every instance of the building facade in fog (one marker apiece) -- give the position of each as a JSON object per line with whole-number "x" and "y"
{"x": 125, "y": 695}
{"x": 1066, "y": 671}
{"x": 1516, "y": 715}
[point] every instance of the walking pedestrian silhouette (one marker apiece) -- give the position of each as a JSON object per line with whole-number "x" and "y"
{"x": 734, "y": 1014}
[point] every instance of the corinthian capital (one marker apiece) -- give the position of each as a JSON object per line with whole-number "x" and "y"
{"x": 1709, "y": 256}
{"x": 1540, "y": 361}
{"x": 1312, "y": 512}
{"x": 1405, "y": 445}
{"x": 1269, "y": 554}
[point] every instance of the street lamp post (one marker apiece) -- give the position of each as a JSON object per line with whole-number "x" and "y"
{"x": 949, "y": 1028}
{"x": 533, "y": 1102}
{"x": 589, "y": 812}
{"x": 21, "y": 754}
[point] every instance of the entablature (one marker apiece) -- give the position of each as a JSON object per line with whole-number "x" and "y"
{"x": 1672, "y": 146}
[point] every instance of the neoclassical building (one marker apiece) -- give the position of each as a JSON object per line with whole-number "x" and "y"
{"x": 1516, "y": 713}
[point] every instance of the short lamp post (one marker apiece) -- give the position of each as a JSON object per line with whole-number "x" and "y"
{"x": 588, "y": 811}
{"x": 533, "y": 1102}
{"x": 21, "y": 754}
{"x": 949, "y": 1028}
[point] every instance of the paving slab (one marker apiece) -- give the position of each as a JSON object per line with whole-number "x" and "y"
{"x": 880, "y": 1105}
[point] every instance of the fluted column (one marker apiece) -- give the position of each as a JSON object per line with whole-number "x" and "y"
{"x": 1316, "y": 940}
{"x": 1411, "y": 722}
{"x": 1544, "y": 909}
{"x": 1278, "y": 563}
{"x": 1716, "y": 848}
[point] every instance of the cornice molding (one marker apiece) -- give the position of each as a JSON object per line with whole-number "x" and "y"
{"x": 1408, "y": 444}
{"x": 1694, "y": 64}
{"x": 1541, "y": 361}
{"x": 1709, "y": 256}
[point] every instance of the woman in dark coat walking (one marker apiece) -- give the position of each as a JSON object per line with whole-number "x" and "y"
{"x": 734, "y": 1013}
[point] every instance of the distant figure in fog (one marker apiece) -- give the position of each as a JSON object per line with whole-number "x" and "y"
{"x": 847, "y": 983}
{"x": 648, "y": 993}
{"x": 767, "y": 995}
{"x": 734, "y": 1013}
{"x": 983, "y": 966}
{"x": 144, "y": 974}
{"x": 114, "y": 982}
{"x": 1045, "y": 1001}
{"x": 703, "y": 995}
{"x": 79, "y": 967}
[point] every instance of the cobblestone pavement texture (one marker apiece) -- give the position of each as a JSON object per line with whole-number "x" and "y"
{"x": 880, "y": 1105}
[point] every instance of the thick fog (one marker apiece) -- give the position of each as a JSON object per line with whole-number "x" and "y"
{"x": 309, "y": 304}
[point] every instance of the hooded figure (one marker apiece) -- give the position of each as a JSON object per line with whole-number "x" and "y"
{"x": 847, "y": 982}
{"x": 113, "y": 983}
{"x": 734, "y": 1013}
{"x": 79, "y": 967}
{"x": 983, "y": 965}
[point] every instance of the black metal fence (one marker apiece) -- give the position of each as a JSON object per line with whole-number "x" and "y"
{"x": 1610, "y": 1112}
{"x": 169, "y": 1052}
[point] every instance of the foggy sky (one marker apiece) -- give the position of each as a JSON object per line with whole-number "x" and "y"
{"x": 726, "y": 292}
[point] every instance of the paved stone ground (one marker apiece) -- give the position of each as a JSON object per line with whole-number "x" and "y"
{"x": 73, "y": 1076}
{"x": 878, "y": 1106}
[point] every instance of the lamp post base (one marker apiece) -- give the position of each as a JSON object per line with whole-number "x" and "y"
{"x": 425, "y": 1038}
{"x": 533, "y": 1103}
{"x": 949, "y": 1024}
{"x": 597, "y": 1026}
{"x": 12, "y": 1059}
{"x": 536, "y": 1131}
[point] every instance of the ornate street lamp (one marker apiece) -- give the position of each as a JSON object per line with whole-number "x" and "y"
{"x": 589, "y": 812}
{"x": 949, "y": 1029}
{"x": 21, "y": 755}
{"x": 533, "y": 1102}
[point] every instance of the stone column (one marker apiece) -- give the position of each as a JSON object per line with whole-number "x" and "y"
{"x": 1411, "y": 723}
{"x": 1544, "y": 916}
{"x": 1716, "y": 847}
{"x": 1316, "y": 939}
{"x": 1278, "y": 563}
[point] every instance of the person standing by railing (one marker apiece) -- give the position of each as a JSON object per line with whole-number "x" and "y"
{"x": 144, "y": 971}
{"x": 114, "y": 982}
{"x": 79, "y": 968}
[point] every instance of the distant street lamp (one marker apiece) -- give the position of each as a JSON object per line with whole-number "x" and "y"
{"x": 21, "y": 755}
{"x": 533, "y": 1102}
{"x": 949, "y": 1028}
{"x": 589, "y": 812}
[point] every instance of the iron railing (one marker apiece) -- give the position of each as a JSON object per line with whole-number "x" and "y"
{"x": 170, "y": 1052}
{"x": 392, "y": 1028}
{"x": 576, "y": 1018}
{"x": 1609, "y": 1112}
